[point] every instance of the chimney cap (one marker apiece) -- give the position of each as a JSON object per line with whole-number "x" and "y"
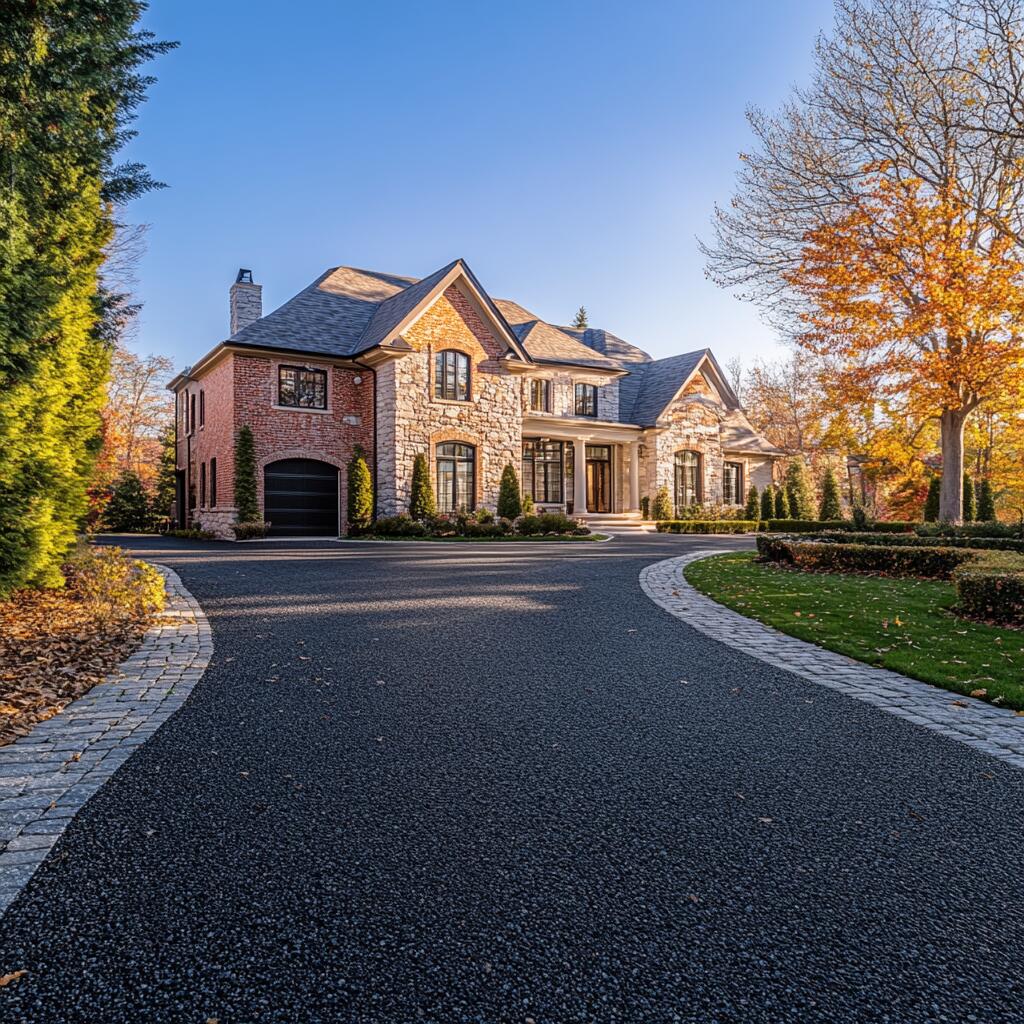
{"x": 244, "y": 276}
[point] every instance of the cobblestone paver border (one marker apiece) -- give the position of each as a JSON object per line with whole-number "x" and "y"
{"x": 47, "y": 776}
{"x": 994, "y": 731}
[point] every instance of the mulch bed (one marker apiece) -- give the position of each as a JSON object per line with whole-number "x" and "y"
{"x": 55, "y": 645}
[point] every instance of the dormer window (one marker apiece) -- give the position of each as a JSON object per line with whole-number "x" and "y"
{"x": 301, "y": 388}
{"x": 451, "y": 375}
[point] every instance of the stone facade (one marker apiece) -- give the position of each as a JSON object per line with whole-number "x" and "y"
{"x": 412, "y": 420}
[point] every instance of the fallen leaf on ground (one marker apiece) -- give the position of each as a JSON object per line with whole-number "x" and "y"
{"x": 13, "y": 976}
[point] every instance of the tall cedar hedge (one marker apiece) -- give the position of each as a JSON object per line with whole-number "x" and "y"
{"x": 767, "y": 503}
{"x": 830, "y": 506}
{"x": 360, "y": 493}
{"x": 931, "y": 503}
{"x": 422, "y": 504}
{"x": 753, "y": 506}
{"x": 69, "y": 83}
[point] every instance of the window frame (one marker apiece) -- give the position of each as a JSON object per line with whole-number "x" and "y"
{"x": 584, "y": 390}
{"x": 447, "y": 364}
{"x": 213, "y": 483}
{"x": 202, "y": 408}
{"x": 543, "y": 384}
{"x": 192, "y": 413}
{"x": 697, "y": 468}
{"x": 316, "y": 372}
{"x": 457, "y": 458}
{"x": 202, "y": 485}
{"x": 545, "y": 467}
{"x": 739, "y": 468}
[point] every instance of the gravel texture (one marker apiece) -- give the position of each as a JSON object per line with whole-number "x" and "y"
{"x": 491, "y": 784}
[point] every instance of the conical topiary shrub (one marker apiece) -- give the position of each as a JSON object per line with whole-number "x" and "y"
{"x": 360, "y": 493}
{"x": 986, "y": 502}
{"x": 421, "y": 502}
{"x": 752, "y": 511}
{"x": 662, "y": 505}
{"x": 510, "y": 505}
{"x": 767, "y": 503}
{"x": 968, "y": 509}
{"x": 798, "y": 490}
{"x": 931, "y": 503}
{"x": 830, "y": 506}
{"x": 782, "y": 509}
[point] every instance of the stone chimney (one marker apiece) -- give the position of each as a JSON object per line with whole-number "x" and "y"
{"x": 246, "y": 301}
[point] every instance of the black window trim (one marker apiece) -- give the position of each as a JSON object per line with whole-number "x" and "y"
{"x": 698, "y": 475}
{"x": 301, "y": 369}
{"x": 202, "y": 408}
{"x": 441, "y": 360}
{"x": 589, "y": 390}
{"x": 740, "y": 490}
{"x": 213, "y": 483}
{"x": 456, "y": 460}
{"x": 530, "y": 485}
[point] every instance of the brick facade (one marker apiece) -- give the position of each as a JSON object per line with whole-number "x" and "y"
{"x": 241, "y": 390}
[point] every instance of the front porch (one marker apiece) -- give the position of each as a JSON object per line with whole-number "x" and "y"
{"x": 590, "y": 468}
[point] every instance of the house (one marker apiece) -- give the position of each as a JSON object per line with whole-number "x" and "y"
{"x": 396, "y": 366}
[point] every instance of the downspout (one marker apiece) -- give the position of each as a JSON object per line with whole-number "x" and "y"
{"x": 375, "y": 452}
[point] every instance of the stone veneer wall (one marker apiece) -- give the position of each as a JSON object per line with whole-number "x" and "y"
{"x": 689, "y": 422}
{"x": 563, "y": 392}
{"x": 411, "y": 420}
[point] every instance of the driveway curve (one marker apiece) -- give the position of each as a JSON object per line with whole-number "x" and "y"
{"x": 482, "y": 783}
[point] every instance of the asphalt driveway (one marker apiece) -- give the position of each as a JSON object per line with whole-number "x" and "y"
{"x": 484, "y": 783}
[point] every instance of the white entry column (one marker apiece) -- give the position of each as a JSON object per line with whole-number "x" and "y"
{"x": 634, "y": 476}
{"x": 579, "y": 489}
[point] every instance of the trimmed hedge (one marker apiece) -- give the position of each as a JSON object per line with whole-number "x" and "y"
{"x": 992, "y": 588}
{"x": 989, "y": 583}
{"x": 893, "y": 560}
{"x": 818, "y": 525}
{"x": 970, "y": 530}
{"x": 913, "y": 540}
{"x": 707, "y": 526}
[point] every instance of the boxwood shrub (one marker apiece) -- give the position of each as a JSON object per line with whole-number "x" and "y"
{"x": 818, "y": 525}
{"x": 707, "y": 526}
{"x": 992, "y": 588}
{"x": 892, "y": 560}
{"x": 913, "y": 540}
{"x": 1005, "y": 530}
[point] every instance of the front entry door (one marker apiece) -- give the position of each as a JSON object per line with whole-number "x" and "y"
{"x": 599, "y": 478}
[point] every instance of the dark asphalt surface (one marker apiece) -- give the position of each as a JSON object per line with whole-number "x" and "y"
{"x": 452, "y": 783}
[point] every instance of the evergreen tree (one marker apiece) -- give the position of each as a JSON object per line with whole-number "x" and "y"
{"x": 931, "y": 503}
{"x": 245, "y": 477}
{"x": 360, "y": 493}
{"x": 510, "y": 505}
{"x": 69, "y": 83}
{"x": 782, "y": 509}
{"x": 830, "y": 506}
{"x": 128, "y": 509}
{"x": 798, "y": 489}
{"x": 986, "y": 502}
{"x": 421, "y": 502}
{"x": 165, "y": 477}
{"x": 752, "y": 511}
{"x": 580, "y": 322}
{"x": 767, "y": 503}
{"x": 662, "y": 506}
{"x": 968, "y": 502}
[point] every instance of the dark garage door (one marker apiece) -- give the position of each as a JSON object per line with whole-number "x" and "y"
{"x": 300, "y": 498}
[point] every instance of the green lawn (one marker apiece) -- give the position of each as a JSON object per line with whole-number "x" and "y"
{"x": 900, "y": 624}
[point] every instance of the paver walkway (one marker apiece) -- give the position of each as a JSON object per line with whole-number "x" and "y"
{"x": 47, "y": 776}
{"x": 995, "y": 731}
{"x": 461, "y": 784}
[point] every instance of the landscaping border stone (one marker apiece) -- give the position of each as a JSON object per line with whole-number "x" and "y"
{"x": 994, "y": 731}
{"x": 48, "y": 775}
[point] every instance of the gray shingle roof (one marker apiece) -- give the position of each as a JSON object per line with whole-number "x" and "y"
{"x": 550, "y": 344}
{"x": 739, "y": 436}
{"x": 609, "y": 345}
{"x": 650, "y": 386}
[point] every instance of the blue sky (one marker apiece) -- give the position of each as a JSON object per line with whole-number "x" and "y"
{"x": 571, "y": 152}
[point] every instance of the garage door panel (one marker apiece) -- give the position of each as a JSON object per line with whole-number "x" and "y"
{"x": 300, "y": 498}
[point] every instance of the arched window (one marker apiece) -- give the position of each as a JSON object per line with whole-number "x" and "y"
{"x": 456, "y": 477}
{"x": 689, "y": 489}
{"x": 451, "y": 375}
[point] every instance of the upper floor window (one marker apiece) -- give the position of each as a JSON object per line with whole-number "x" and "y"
{"x": 202, "y": 485}
{"x": 732, "y": 483}
{"x": 451, "y": 375}
{"x": 213, "y": 483}
{"x": 688, "y": 489}
{"x": 192, "y": 414}
{"x": 202, "y": 408}
{"x": 301, "y": 388}
{"x": 540, "y": 395}
{"x": 456, "y": 477}
{"x": 586, "y": 399}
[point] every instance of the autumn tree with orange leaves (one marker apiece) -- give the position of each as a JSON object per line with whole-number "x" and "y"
{"x": 921, "y": 304}
{"x": 879, "y": 218}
